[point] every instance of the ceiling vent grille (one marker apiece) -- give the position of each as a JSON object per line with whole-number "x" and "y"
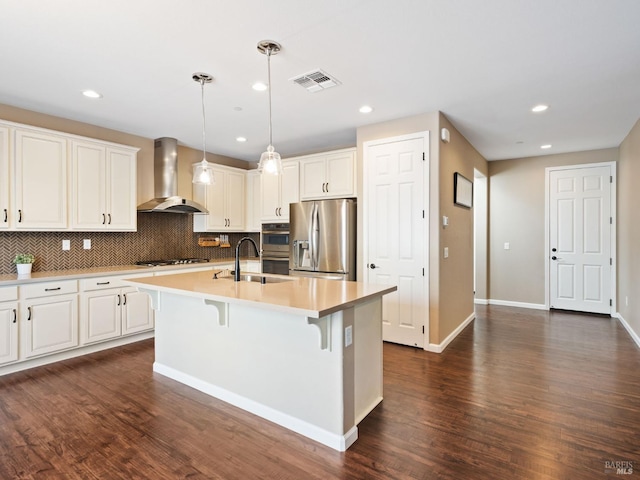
{"x": 316, "y": 81}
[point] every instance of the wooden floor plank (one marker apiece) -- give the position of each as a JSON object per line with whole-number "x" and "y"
{"x": 520, "y": 394}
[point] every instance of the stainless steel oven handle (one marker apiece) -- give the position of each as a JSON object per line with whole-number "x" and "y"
{"x": 275, "y": 232}
{"x": 276, "y": 259}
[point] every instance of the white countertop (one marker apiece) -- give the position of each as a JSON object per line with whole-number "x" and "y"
{"x": 57, "y": 275}
{"x": 311, "y": 297}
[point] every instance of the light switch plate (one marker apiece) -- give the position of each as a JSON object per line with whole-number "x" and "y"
{"x": 507, "y": 246}
{"x": 86, "y": 244}
{"x": 66, "y": 244}
{"x": 446, "y": 252}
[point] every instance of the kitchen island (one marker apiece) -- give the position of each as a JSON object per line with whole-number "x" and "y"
{"x": 304, "y": 353}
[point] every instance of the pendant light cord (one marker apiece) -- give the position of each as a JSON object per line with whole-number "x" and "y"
{"x": 204, "y": 124}
{"x": 269, "y": 80}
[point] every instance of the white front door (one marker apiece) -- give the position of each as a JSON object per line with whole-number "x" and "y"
{"x": 396, "y": 194}
{"x": 580, "y": 226}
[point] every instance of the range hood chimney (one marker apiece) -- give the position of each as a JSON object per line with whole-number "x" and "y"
{"x": 165, "y": 181}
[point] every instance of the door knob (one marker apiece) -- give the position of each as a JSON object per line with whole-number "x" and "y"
{"x": 372, "y": 266}
{"x": 554, "y": 258}
{"x": 554, "y": 249}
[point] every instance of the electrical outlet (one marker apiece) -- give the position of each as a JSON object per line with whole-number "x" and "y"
{"x": 86, "y": 244}
{"x": 507, "y": 246}
{"x": 66, "y": 244}
{"x": 348, "y": 336}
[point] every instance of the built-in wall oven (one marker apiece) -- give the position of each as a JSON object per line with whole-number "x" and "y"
{"x": 275, "y": 248}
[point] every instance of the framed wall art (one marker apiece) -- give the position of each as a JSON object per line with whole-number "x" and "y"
{"x": 462, "y": 191}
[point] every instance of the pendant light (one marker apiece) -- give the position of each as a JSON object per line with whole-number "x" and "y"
{"x": 202, "y": 172}
{"x": 270, "y": 161}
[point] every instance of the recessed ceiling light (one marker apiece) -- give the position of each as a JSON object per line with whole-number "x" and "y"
{"x": 259, "y": 86}
{"x": 544, "y": 147}
{"x": 241, "y": 139}
{"x": 539, "y": 108}
{"x": 366, "y": 109}
{"x": 237, "y": 109}
{"x": 91, "y": 94}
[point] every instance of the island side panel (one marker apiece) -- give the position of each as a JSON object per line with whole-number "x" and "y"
{"x": 367, "y": 340}
{"x": 271, "y": 359}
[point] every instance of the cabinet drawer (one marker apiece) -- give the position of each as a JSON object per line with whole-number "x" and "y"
{"x": 48, "y": 289}
{"x": 100, "y": 283}
{"x": 8, "y": 293}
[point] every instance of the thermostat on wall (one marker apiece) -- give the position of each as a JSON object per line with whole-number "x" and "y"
{"x": 444, "y": 135}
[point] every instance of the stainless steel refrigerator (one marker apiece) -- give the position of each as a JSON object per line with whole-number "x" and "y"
{"x": 322, "y": 240}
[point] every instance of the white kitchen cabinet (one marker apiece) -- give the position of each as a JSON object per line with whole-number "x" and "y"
{"x": 5, "y": 175}
{"x": 49, "y": 312}
{"x": 40, "y": 189}
{"x": 137, "y": 314}
{"x": 225, "y": 200}
{"x": 253, "y": 219}
{"x": 278, "y": 191}
{"x": 109, "y": 309}
{"x": 8, "y": 325}
{"x": 103, "y": 187}
{"x": 328, "y": 175}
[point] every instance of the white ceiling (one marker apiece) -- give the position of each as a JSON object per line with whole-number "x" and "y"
{"x": 484, "y": 64}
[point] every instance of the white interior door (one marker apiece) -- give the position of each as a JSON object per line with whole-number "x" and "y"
{"x": 395, "y": 240}
{"x": 580, "y": 233}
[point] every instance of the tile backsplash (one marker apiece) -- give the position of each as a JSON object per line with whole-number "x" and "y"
{"x": 159, "y": 236}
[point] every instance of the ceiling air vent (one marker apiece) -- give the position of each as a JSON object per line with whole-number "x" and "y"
{"x": 316, "y": 81}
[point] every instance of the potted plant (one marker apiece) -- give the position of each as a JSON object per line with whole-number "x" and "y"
{"x": 23, "y": 262}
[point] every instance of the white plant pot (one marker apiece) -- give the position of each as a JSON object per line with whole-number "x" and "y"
{"x": 24, "y": 268}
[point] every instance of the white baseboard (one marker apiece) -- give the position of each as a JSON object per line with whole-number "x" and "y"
{"x": 628, "y": 328}
{"x": 439, "y": 347}
{"x": 481, "y": 301}
{"x": 335, "y": 441}
{"x": 507, "y": 303}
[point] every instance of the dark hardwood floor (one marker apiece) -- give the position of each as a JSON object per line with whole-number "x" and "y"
{"x": 520, "y": 394}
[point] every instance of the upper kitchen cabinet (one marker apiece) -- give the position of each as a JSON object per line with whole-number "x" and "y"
{"x": 328, "y": 175}
{"x": 278, "y": 191}
{"x": 4, "y": 177}
{"x": 252, "y": 216}
{"x": 225, "y": 200}
{"x": 103, "y": 187}
{"x": 40, "y": 188}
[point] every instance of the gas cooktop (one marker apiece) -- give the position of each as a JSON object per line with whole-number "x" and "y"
{"x": 171, "y": 261}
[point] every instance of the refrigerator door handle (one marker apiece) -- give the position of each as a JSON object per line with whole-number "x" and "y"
{"x": 315, "y": 237}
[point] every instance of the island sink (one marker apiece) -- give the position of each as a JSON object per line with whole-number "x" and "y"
{"x": 246, "y": 277}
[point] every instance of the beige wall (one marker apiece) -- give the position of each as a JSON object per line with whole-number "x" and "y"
{"x": 456, "y": 272}
{"x": 186, "y": 156}
{"x": 516, "y": 216}
{"x": 450, "y": 280}
{"x": 629, "y": 229}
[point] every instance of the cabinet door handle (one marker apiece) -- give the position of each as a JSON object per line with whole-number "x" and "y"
{"x": 104, "y": 219}
{"x": 109, "y": 218}
{"x": 103, "y": 283}
{"x": 125, "y": 299}
{"x": 28, "y": 313}
{"x": 119, "y": 301}
{"x": 6, "y": 215}
{"x": 15, "y": 316}
{"x": 52, "y": 289}
{"x": 19, "y": 216}
{"x": 327, "y": 184}
{"x": 323, "y": 187}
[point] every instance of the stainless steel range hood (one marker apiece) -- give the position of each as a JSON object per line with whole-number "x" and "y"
{"x": 165, "y": 182}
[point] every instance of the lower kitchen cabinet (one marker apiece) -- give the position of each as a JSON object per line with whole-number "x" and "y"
{"x": 8, "y": 325}
{"x": 49, "y": 312}
{"x": 109, "y": 310}
{"x": 137, "y": 314}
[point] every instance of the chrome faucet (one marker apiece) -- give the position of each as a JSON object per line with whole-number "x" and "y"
{"x": 236, "y": 273}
